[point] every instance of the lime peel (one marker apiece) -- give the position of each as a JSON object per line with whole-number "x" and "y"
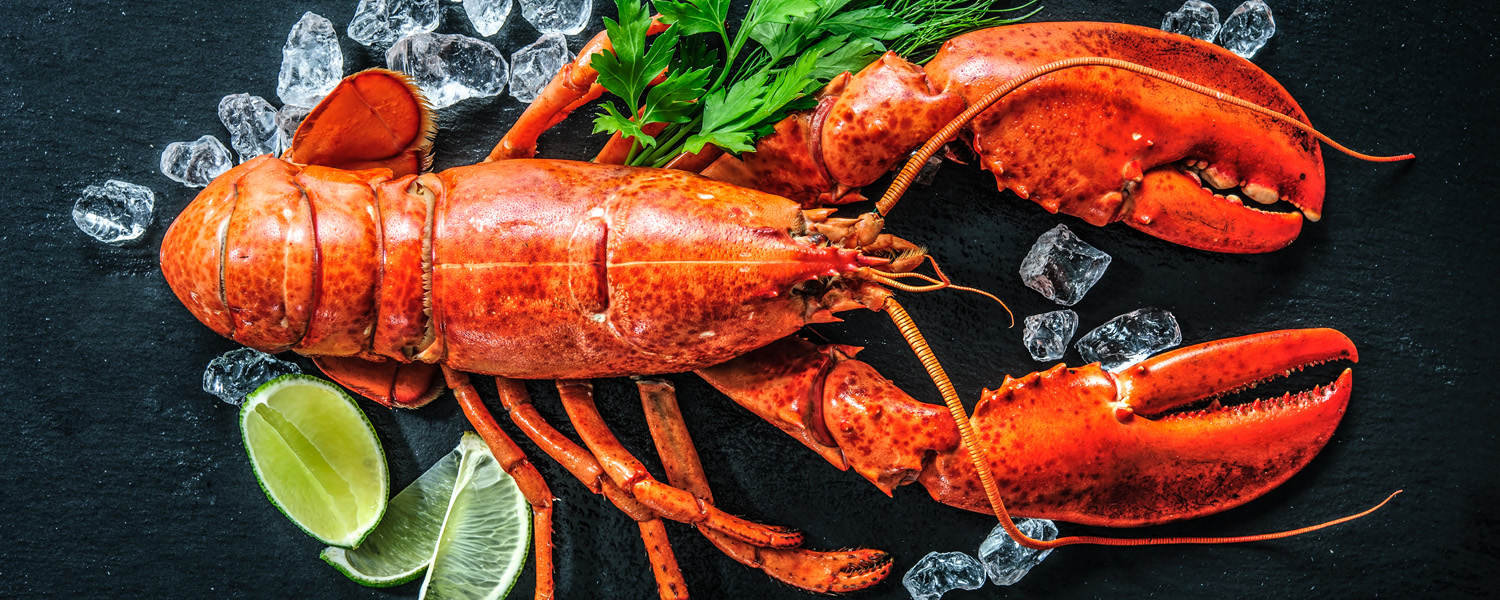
{"x": 316, "y": 457}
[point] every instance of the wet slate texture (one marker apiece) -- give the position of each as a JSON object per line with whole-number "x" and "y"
{"x": 122, "y": 479}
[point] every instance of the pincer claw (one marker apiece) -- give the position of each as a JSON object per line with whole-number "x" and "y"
{"x": 1087, "y": 446}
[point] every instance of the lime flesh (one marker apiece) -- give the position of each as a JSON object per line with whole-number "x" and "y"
{"x": 317, "y": 457}
{"x": 464, "y": 521}
{"x": 401, "y": 547}
{"x": 484, "y": 540}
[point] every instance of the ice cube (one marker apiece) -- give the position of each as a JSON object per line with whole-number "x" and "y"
{"x": 1047, "y": 335}
{"x": 196, "y": 163}
{"x": 939, "y": 572}
{"x": 311, "y": 62}
{"x": 1248, "y": 28}
{"x": 380, "y": 23}
{"x": 1062, "y": 267}
{"x": 238, "y": 372}
{"x": 929, "y": 171}
{"x": 567, "y": 17}
{"x": 116, "y": 212}
{"x": 1007, "y": 562}
{"x": 532, "y": 67}
{"x": 1130, "y": 338}
{"x": 288, "y": 119}
{"x": 450, "y": 68}
{"x": 488, "y": 16}
{"x": 252, "y": 125}
{"x": 1196, "y": 18}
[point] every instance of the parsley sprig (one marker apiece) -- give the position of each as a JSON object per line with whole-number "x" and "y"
{"x": 798, "y": 46}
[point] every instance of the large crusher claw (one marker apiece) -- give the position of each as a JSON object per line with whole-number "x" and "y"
{"x": 1075, "y": 444}
{"x": 1107, "y": 145}
{"x": 1087, "y": 446}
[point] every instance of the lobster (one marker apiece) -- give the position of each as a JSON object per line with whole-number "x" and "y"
{"x": 400, "y": 282}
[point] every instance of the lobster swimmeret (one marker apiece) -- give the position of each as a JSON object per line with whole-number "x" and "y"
{"x": 344, "y": 250}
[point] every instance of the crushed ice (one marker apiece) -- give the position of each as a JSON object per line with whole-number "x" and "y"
{"x": 567, "y": 17}
{"x": 532, "y": 67}
{"x": 1046, "y": 335}
{"x": 288, "y": 119}
{"x": 252, "y": 125}
{"x": 238, "y": 372}
{"x": 1130, "y": 338}
{"x": 1196, "y": 18}
{"x": 116, "y": 212}
{"x": 311, "y": 62}
{"x": 487, "y": 16}
{"x": 1248, "y": 28}
{"x": 450, "y": 68}
{"x": 1007, "y": 562}
{"x": 380, "y": 23}
{"x": 1062, "y": 267}
{"x": 941, "y": 572}
{"x": 195, "y": 163}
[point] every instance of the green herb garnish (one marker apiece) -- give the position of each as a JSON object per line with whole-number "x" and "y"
{"x": 799, "y": 45}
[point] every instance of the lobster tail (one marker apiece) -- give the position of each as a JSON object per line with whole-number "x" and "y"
{"x": 280, "y": 257}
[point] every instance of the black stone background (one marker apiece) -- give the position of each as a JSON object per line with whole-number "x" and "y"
{"x": 122, "y": 479}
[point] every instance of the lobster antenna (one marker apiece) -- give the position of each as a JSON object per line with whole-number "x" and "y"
{"x": 919, "y": 158}
{"x": 992, "y": 492}
{"x": 942, "y": 282}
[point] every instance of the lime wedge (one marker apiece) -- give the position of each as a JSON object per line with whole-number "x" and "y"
{"x": 401, "y": 547}
{"x": 487, "y": 532}
{"x": 317, "y": 457}
{"x": 464, "y": 520}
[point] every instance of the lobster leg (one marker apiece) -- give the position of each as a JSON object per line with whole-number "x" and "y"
{"x": 813, "y": 571}
{"x": 630, "y": 475}
{"x": 572, "y": 87}
{"x": 533, "y": 487}
{"x": 582, "y": 465}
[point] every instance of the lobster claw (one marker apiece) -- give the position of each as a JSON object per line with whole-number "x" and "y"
{"x": 1170, "y": 205}
{"x": 1087, "y": 446}
{"x": 1108, "y": 145}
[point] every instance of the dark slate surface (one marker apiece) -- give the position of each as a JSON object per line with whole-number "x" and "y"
{"x": 122, "y": 479}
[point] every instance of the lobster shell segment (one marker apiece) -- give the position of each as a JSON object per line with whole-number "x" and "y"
{"x": 1081, "y": 141}
{"x": 279, "y": 257}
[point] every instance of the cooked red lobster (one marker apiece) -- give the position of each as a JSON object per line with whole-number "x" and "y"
{"x": 346, "y": 251}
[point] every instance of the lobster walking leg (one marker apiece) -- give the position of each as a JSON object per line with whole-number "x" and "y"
{"x": 813, "y": 571}
{"x": 510, "y": 457}
{"x": 583, "y": 466}
{"x": 671, "y": 502}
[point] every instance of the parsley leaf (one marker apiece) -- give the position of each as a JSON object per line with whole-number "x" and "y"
{"x": 675, "y": 99}
{"x": 799, "y": 46}
{"x": 696, "y": 16}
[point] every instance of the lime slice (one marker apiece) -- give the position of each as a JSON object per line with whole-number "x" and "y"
{"x": 401, "y": 547}
{"x": 317, "y": 457}
{"x": 485, "y": 537}
{"x": 464, "y": 518}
